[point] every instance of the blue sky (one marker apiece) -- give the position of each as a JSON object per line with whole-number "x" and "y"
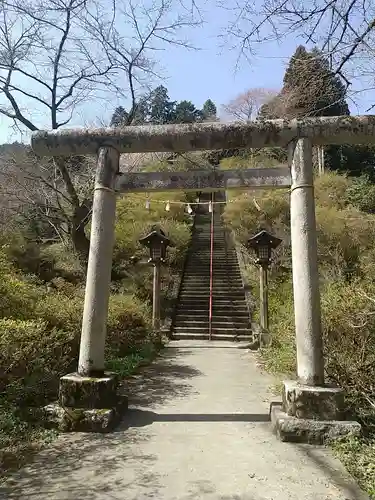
{"x": 209, "y": 72}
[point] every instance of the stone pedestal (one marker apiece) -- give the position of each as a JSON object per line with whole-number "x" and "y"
{"x": 311, "y": 414}
{"x": 87, "y": 404}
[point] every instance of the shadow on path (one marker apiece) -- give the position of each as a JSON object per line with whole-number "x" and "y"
{"x": 141, "y": 418}
{"x": 61, "y": 464}
{"x": 164, "y": 380}
{"x": 58, "y": 469}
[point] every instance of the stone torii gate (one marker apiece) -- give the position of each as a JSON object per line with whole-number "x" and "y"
{"x": 88, "y": 399}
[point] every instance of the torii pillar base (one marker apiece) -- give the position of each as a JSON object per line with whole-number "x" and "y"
{"x": 311, "y": 414}
{"x": 87, "y": 404}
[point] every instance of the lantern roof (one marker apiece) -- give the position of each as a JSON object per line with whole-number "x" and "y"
{"x": 156, "y": 236}
{"x": 264, "y": 238}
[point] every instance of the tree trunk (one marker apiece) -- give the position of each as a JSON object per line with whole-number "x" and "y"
{"x": 81, "y": 242}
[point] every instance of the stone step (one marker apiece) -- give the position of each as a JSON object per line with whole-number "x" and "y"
{"x": 196, "y": 279}
{"x": 195, "y": 267}
{"x": 214, "y": 336}
{"x": 204, "y": 317}
{"x": 222, "y": 267}
{"x": 218, "y": 294}
{"x": 243, "y": 312}
{"x": 204, "y": 286}
{"x": 219, "y": 301}
{"x": 216, "y": 256}
{"x": 218, "y": 289}
{"x": 201, "y": 281}
{"x": 237, "y": 297}
{"x": 228, "y": 325}
{"x": 225, "y": 311}
{"x": 218, "y": 329}
{"x": 206, "y": 248}
{"x": 195, "y": 308}
{"x": 219, "y": 272}
{"x": 218, "y": 243}
{"x": 198, "y": 258}
{"x": 217, "y": 266}
{"x": 222, "y": 249}
{"x": 206, "y": 277}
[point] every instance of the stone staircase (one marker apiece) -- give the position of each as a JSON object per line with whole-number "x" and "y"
{"x": 230, "y": 316}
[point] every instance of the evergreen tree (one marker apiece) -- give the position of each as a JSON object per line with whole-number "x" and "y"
{"x": 141, "y": 111}
{"x": 158, "y": 109}
{"x": 209, "y": 110}
{"x": 161, "y": 109}
{"x": 313, "y": 89}
{"x": 119, "y": 118}
{"x": 310, "y": 89}
{"x": 186, "y": 112}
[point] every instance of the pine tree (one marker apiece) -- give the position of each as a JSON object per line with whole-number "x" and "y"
{"x": 209, "y": 110}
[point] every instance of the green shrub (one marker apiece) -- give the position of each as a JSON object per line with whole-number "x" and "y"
{"x": 128, "y": 325}
{"x": 61, "y": 311}
{"x": 18, "y": 296}
{"x": 349, "y": 335}
{"x": 32, "y": 358}
{"x": 361, "y": 194}
{"x": 280, "y": 357}
{"x": 134, "y": 220}
{"x": 63, "y": 260}
{"x": 330, "y": 190}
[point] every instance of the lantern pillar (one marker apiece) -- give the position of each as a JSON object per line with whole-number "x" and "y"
{"x": 263, "y": 284}
{"x": 156, "y": 297}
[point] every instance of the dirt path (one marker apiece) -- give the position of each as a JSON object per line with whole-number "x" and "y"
{"x": 197, "y": 428}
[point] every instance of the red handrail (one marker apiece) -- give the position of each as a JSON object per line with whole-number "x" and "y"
{"x": 211, "y": 267}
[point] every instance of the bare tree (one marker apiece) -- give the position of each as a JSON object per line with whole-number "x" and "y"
{"x": 343, "y": 31}
{"x": 56, "y": 55}
{"x": 246, "y": 105}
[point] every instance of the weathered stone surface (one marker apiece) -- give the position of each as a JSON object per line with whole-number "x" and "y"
{"x": 312, "y": 402}
{"x": 207, "y": 181}
{"x": 299, "y": 430}
{"x": 209, "y": 136}
{"x": 67, "y": 419}
{"x": 76, "y": 391}
{"x": 252, "y": 346}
